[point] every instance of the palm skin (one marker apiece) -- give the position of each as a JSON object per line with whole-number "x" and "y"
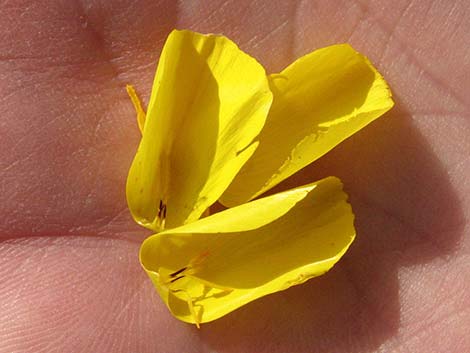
{"x": 71, "y": 281}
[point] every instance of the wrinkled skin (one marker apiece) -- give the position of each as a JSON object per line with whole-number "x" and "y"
{"x": 69, "y": 273}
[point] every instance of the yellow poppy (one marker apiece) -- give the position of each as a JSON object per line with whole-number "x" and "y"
{"x": 219, "y": 128}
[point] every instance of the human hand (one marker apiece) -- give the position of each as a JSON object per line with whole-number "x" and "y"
{"x": 69, "y": 269}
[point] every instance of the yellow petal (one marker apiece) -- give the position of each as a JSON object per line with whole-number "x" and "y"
{"x": 319, "y": 100}
{"x": 209, "y": 101}
{"x": 208, "y": 268}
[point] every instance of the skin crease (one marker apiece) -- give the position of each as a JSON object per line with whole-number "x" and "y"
{"x": 69, "y": 273}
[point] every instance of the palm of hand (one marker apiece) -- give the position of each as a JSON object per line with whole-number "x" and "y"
{"x": 68, "y": 255}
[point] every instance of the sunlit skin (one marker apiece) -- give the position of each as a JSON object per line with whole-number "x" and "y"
{"x": 71, "y": 279}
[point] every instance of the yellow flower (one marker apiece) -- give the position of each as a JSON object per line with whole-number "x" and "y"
{"x": 218, "y": 128}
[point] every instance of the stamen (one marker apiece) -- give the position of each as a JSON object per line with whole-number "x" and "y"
{"x": 137, "y": 106}
{"x": 161, "y": 215}
{"x": 177, "y": 278}
{"x": 174, "y": 274}
{"x": 189, "y": 301}
{"x": 188, "y": 271}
